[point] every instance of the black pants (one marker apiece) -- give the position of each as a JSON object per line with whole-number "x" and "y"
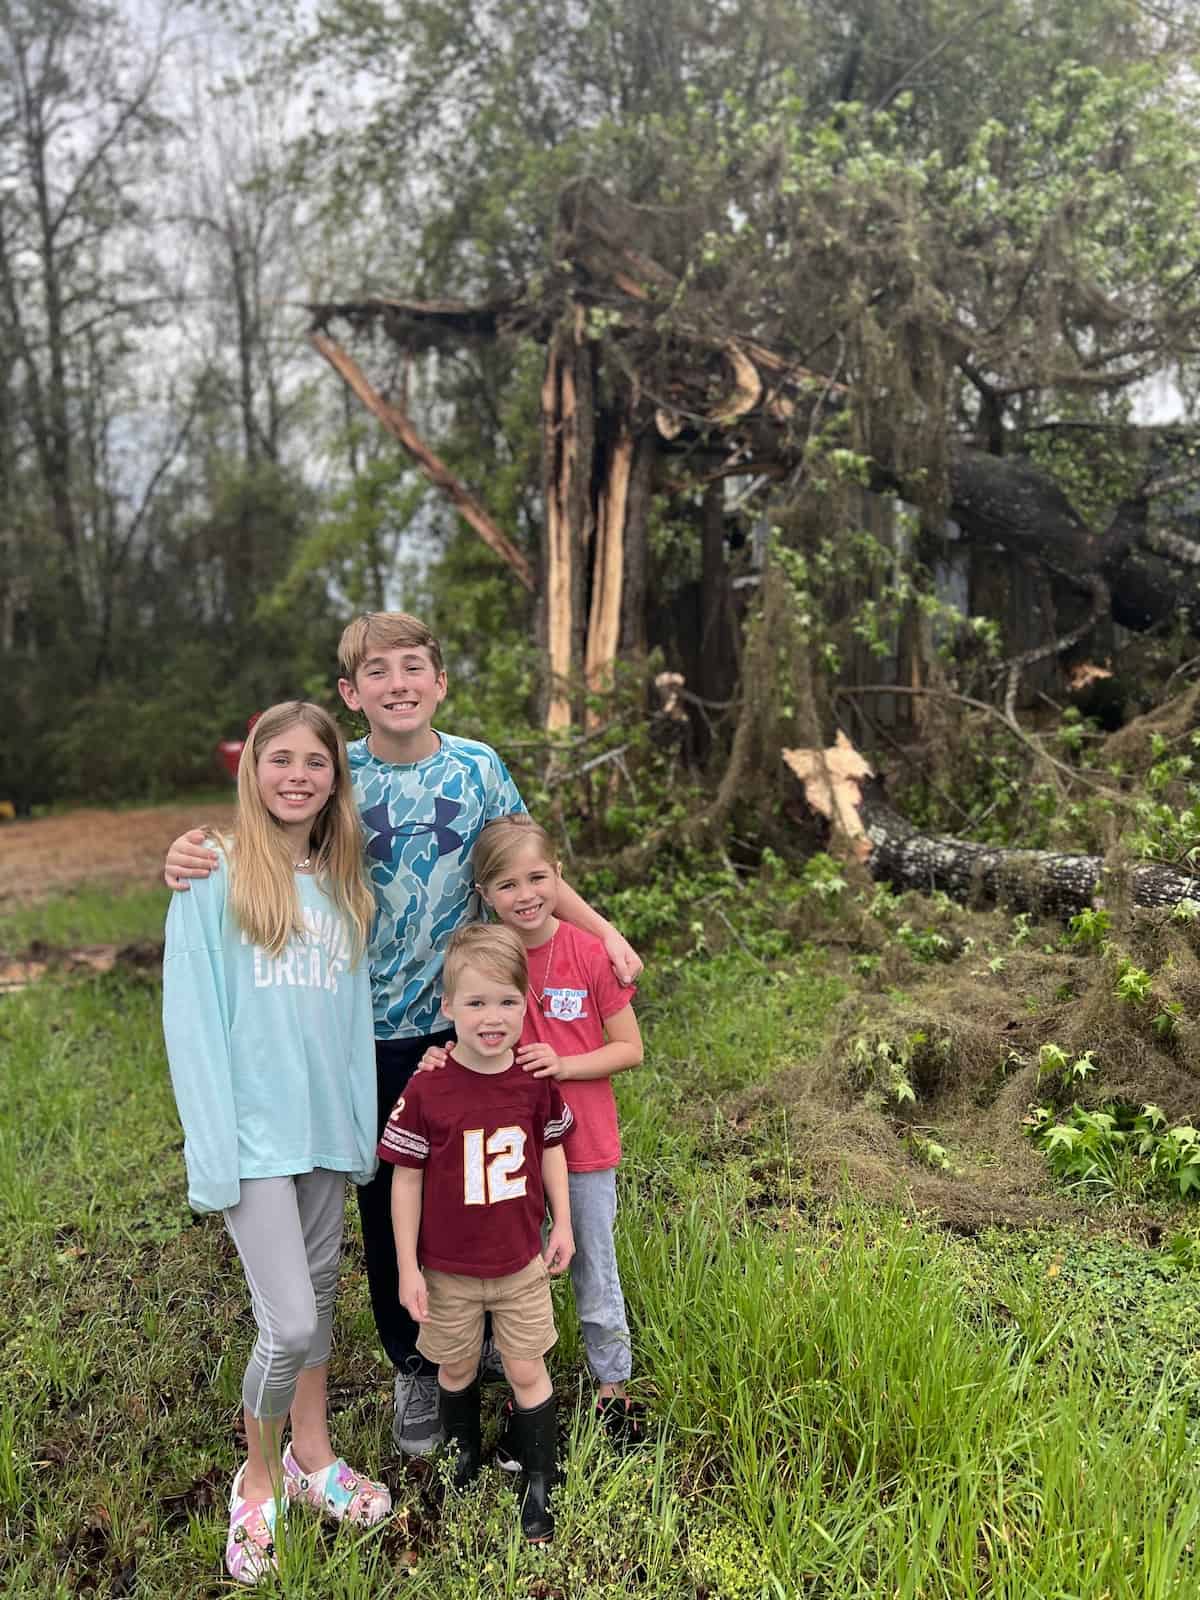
{"x": 395, "y": 1062}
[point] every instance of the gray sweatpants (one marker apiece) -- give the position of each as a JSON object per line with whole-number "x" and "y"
{"x": 288, "y": 1233}
{"x": 598, "y": 1297}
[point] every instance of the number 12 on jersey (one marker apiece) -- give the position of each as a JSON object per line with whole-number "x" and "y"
{"x": 486, "y": 1182}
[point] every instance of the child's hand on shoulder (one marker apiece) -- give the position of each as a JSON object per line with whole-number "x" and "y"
{"x": 189, "y": 856}
{"x": 542, "y": 1060}
{"x": 434, "y": 1057}
{"x": 414, "y": 1297}
{"x": 627, "y": 965}
{"x": 560, "y": 1247}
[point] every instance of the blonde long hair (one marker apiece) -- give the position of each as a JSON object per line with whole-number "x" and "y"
{"x": 262, "y": 878}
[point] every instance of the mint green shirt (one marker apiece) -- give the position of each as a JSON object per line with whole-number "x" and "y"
{"x": 272, "y": 1058}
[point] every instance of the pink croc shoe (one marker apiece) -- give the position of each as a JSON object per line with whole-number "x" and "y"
{"x": 337, "y": 1491}
{"x": 250, "y": 1547}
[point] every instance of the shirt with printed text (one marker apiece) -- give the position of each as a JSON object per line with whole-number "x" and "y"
{"x": 479, "y": 1138}
{"x": 572, "y": 993}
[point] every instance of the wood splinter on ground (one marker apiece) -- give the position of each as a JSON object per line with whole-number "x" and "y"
{"x": 832, "y": 781}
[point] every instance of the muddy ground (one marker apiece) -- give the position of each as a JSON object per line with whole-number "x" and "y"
{"x": 121, "y": 848}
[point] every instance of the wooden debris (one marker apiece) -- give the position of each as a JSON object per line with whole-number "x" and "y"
{"x": 832, "y": 781}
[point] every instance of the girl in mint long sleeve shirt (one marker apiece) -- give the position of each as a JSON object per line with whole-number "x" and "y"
{"x": 270, "y": 1040}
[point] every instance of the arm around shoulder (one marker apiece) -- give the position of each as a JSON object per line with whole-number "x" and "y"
{"x": 573, "y": 908}
{"x": 621, "y": 1050}
{"x": 189, "y": 856}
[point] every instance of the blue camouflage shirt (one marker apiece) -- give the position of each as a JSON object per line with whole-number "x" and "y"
{"x": 420, "y": 822}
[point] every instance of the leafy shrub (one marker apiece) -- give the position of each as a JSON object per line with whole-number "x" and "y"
{"x": 1168, "y": 812}
{"x": 696, "y": 903}
{"x": 885, "y": 1065}
{"x": 1054, "y": 1060}
{"x": 1119, "y": 1150}
{"x": 1089, "y": 929}
{"x": 121, "y": 746}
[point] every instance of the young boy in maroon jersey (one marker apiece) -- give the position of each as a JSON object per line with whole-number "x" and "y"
{"x": 477, "y": 1152}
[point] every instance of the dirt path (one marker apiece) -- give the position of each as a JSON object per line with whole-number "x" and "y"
{"x": 122, "y": 848}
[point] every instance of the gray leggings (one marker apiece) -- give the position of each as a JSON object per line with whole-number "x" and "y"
{"x": 288, "y": 1232}
{"x": 598, "y": 1297}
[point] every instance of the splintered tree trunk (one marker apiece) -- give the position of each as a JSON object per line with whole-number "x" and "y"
{"x": 608, "y": 563}
{"x": 568, "y": 443}
{"x": 598, "y": 477}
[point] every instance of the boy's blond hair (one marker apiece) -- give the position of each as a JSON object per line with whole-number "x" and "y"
{"x": 503, "y": 838}
{"x": 384, "y": 630}
{"x": 494, "y": 951}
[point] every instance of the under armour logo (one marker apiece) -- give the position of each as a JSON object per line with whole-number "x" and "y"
{"x": 377, "y": 819}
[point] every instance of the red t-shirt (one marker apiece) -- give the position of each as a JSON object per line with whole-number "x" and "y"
{"x": 568, "y": 1007}
{"x": 479, "y": 1138}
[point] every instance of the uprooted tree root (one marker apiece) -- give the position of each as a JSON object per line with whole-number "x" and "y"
{"x": 962, "y": 1037}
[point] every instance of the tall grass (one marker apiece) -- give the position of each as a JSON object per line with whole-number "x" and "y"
{"x": 839, "y": 1407}
{"x": 872, "y": 1433}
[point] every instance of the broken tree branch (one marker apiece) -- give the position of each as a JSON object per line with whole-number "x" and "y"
{"x": 981, "y": 705}
{"x": 434, "y": 468}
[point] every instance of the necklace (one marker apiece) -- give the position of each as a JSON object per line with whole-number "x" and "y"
{"x": 300, "y": 865}
{"x": 546, "y": 974}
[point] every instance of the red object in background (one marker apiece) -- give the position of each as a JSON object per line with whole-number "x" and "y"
{"x": 229, "y": 751}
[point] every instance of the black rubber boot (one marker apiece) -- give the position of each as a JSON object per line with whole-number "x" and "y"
{"x": 459, "y": 1411}
{"x": 534, "y": 1436}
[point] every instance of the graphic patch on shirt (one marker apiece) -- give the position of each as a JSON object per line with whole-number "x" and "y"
{"x": 565, "y": 1004}
{"x": 382, "y": 846}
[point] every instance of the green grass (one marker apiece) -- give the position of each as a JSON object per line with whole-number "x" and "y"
{"x": 87, "y": 915}
{"x": 844, "y": 1402}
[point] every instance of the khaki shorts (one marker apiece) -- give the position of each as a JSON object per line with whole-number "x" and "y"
{"x": 522, "y": 1315}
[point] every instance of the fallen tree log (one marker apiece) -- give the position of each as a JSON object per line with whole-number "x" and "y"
{"x": 839, "y": 785}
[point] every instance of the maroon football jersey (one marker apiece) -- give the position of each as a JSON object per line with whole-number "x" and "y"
{"x": 479, "y": 1138}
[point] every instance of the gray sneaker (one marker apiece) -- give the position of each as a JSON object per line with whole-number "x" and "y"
{"x": 417, "y": 1426}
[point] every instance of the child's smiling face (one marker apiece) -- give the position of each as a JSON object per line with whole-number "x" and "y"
{"x": 397, "y": 690}
{"x": 295, "y": 777}
{"x": 487, "y": 1014}
{"x": 525, "y": 893}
